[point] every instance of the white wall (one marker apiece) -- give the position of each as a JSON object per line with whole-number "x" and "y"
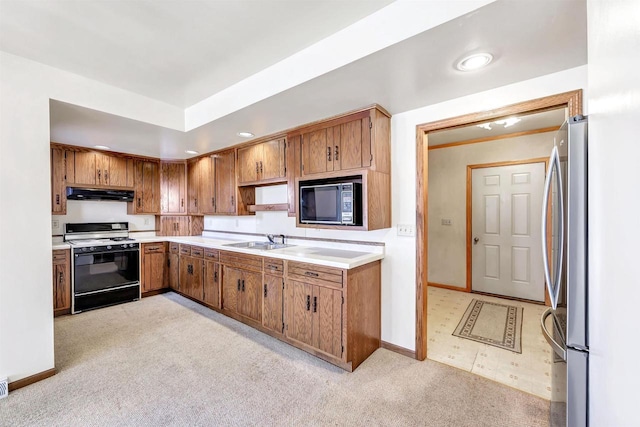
{"x": 614, "y": 211}
{"x": 101, "y": 211}
{"x": 26, "y": 306}
{"x": 448, "y": 198}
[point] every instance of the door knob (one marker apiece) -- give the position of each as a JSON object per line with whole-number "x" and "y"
{"x": 475, "y": 240}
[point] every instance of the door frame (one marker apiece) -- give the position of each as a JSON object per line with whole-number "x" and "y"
{"x": 470, "y": 169}
{"x": 571, "y": 100}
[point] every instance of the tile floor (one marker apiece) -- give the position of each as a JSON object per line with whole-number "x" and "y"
{"x": 529, "y": 371}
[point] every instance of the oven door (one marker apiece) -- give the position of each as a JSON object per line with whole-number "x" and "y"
{"x": 321, "y": 204}
{"x": 100, "y": 271}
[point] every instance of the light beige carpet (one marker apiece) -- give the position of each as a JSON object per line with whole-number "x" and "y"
{"x": 168, "y": 361}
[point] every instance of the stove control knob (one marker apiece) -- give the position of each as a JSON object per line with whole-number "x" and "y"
{"x": 124, "y": 246}
{"x": 108, "y": 246}
{"x": 131, "y": 245}
{"x": 92, "y": 248}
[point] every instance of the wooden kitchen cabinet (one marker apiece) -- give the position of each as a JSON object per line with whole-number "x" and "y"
{"x": 191, "y": 271}
{"x": 102, "y": 170}
{"x": 173, "y": 188}
{"x": 147, "y": 188}
{"x": 201, "y": 186}
{"x": 179, "y": 225}
{"x": 58, "y": 181}
{"x": 359, "y": 140}
{"x": 61, "y": 282}
{"x": 154, "y": 272}
{"x": 242, "y": 284}
{"x": 273, "y": 286}
{"x": 173, "y": 265}
{"x": 262, "y": 163}
{"x": 225, "y": 182}
{"x": 212, "y": 278}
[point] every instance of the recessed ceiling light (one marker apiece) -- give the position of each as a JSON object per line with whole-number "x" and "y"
{"x": 190, "y": 152}
{"x": 102, "y": 147}
{"x": 474, "y": 62}
{"x": 245, "y": 134}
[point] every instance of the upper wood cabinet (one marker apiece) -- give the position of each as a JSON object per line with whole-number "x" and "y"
{"x": 102, "y": 170}
{"x": 262, "y": 163}
{"x": 173, "y": 188}
{"x": 355, "y": 141}
{"x": 225, "y": 182}
{"x": 58, "y": 181}
{"x": 147, "y": 188}
{"x": 201, "y": 185}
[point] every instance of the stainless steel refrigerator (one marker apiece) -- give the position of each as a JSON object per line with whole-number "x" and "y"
{"x": 564, "y": 243}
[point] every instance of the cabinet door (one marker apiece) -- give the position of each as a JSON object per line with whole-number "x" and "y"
{"x": 212, "y": 283}
{"x": 85, "y": 168}
{"x": 249, "y": 163}
{"x": 174, "y": 271}
{"x": 61, "y": 287}
{"x": 354, "y": 136}
{"x": 173, "y": 188}
{"x": 197, "y": 277}
{"x": 116, "y": 171}
{"x": 225, "y": 172}
{"x": 153, "y": 264}
{"x": 272, "y": 305}
{"x": 148, "y": 199}
{"x": 193, "y": 186}
{"x": 250, "y": 297}
{"x": 207, "y": 186}
{"x": 231, "y": 286}
{"x": 272, "y": 162}
{"x": 183, "y": 226}
{"x": 299, "y": 311}
{"x": 185, "y": 275}
{"x": 326, "y": 307}
{"x": 316, "y": 154}
{"x": 58, "y": 182}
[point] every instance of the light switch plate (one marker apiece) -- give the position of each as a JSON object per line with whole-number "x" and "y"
{"x": 406, "y": 230}
{"x": 446, "y": 221}
{"x": 55, "y": 224}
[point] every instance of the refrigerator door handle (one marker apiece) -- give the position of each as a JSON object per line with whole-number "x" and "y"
{"x": 553, "y": 284}
{"x": 557, "y": 348}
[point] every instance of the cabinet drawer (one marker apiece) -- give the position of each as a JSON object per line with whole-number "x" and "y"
{"x": 316, "y": 274}
{"x": 197, "y": 251}
{"x": 60, "y": 256}
{"x": 273, "y": 266}
{"x": 211, "y": 254}
{"x": 238, "y": 260}
{"x": 185, "y": 249}
{"x": 174, "y": 248}
{"x": 150, "y": 248}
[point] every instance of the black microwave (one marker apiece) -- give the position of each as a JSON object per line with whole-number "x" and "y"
{"x": 339, "y": 203}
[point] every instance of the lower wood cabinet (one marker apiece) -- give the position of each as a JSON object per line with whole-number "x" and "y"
{"x": 173, "y": 264}
{"x": 242, "y": 292}
{"x": 61, "y": 282}
{"x": 212, "y": 278}
{"x": 272, "y": 303}
{"x": 154, "y": 271}
{"x": 191, "y": 276}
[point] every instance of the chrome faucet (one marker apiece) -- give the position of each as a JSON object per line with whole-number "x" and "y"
{"x": 272, "y": 238}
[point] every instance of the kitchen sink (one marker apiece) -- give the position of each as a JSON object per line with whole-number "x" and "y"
{"x": 260, "y": 246}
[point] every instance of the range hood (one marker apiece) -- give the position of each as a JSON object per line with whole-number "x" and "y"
{"x": 74, "y": 193}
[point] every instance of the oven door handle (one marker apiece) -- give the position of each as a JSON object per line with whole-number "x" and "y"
{"x": 106, "y": 252}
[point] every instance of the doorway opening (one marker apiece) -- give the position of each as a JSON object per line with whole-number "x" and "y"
{"x": 445, "y": 291}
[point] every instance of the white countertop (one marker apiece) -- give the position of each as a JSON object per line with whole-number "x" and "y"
{"x": 330, "y": 257}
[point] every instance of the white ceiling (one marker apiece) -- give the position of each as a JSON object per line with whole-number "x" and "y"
{"x": 528, "y": 122}
{"x": 179, "y": 52}
{"x": 549, "y": 37}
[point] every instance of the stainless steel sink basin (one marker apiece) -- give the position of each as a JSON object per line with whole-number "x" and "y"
{"x": 260, "y": 246}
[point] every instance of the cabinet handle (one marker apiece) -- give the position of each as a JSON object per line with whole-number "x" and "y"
{"x": 182, "y": 203}
{"x": 315, "y": 304}
{"x": 169, "y": 263}
{"x": 265, "y": 290}
{"x": 328, "y": 154}
{"x": 238, "y": 285}
{"x": 260, "y": 166}
{"x": 106, "y": 176}
{"x": 99, "y": 178}
{"x": 335, "y": 157}
{"x": 308, "y": 302}
{"x": 311, "y": 273}
{"x": 138, "y": 201}
{"x": 256, "y": 168}
{"x": 215, "y": 276}
{"x": 273, "y": 267}
{"x": 213, "y": 202}
{"x": 242, "y": 285}
{"x": 57, "y": 199}
{"x": 232, "y": 201}
{"x": 196, "y": 202}
{"x": 61, "y": 278}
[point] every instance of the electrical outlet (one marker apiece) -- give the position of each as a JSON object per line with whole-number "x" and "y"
{"x": 446, "y": 221}
{"x": 406, "y": 230}
{"x": 55, "y": 224}
{"x": 146, "y": 221}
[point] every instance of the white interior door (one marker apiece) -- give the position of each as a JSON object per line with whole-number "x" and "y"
{"x": 506, "y": 255}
